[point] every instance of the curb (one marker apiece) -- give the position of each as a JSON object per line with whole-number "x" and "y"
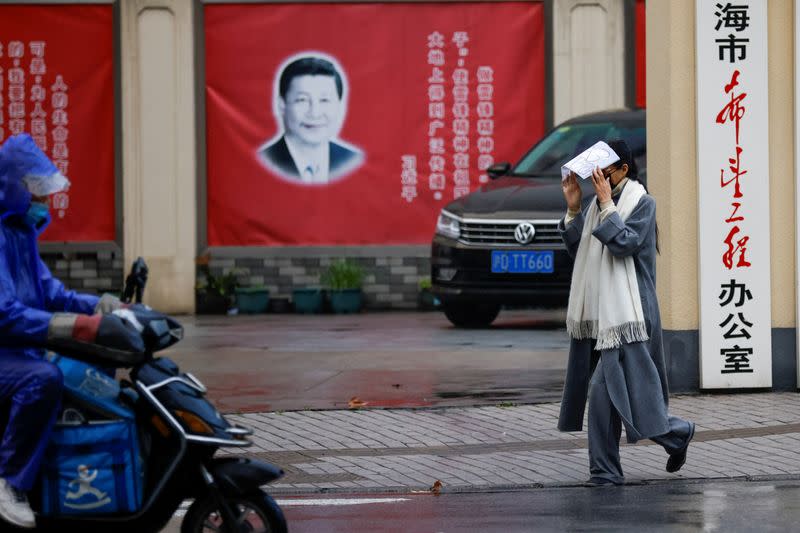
{"x": 468, "y": 489}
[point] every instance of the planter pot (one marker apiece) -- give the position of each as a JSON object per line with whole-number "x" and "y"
{"x": 346, "y": 301}
{"x": 212, "y": 303}
{"x": 426, "y": 301}
{"x": 252, "y": 300}
{"x": 307, "y": 300}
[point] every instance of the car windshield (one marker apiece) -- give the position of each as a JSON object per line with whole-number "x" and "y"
{"x": 565, "y": 142}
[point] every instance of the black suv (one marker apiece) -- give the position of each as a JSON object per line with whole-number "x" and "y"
{"x": 500, "y": 245}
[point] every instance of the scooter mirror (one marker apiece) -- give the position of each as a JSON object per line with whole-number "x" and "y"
{"x": 161, "y": 333}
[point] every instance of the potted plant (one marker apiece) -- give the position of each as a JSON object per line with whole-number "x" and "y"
{"x": 344, "y": 279}
{"x": 426, "y": 301}
{"x": 215, "y": 293}
{"x": 252, "y": 299}
{"x": 307, "y": 300}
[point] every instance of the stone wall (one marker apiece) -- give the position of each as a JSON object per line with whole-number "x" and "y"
{"x": 92, "y": 272}
{"x": 390, "y": 282}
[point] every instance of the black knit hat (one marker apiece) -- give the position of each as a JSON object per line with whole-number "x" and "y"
{"x": 625, "y": 157}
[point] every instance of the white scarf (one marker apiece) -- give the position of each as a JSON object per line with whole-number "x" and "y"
{"x": 604, "y": 299}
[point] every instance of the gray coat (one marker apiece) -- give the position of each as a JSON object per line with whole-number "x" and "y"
{"x": 635, "y": 373}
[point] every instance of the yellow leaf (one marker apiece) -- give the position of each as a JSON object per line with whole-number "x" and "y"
{"x": 356, "y": 403}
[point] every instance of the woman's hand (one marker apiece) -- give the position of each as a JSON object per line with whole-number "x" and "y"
{"x": 601, "y": 186}
{"x": 572, "y": 192}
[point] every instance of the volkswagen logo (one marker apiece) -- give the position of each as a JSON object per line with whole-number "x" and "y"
{"x": 524, "y": 233}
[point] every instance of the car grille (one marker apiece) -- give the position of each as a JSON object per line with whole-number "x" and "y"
{"x": 501, "y": 233}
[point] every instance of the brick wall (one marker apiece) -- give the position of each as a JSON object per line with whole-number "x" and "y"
{"x": 92, "y": 272}
{"x": 390, "y": 282}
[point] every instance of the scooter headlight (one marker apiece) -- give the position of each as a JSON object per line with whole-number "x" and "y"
{"x": 193, "y": 423}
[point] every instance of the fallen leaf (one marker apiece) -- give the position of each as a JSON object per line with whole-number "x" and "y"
{"x": 437, "y": 487}
{"x": 356, "y": 403}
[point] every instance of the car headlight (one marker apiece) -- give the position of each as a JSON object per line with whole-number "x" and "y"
{"x": 448, "y": 225}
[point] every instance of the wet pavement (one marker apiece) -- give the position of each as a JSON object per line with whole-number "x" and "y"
{"x": 293, "y": 362}
{"x": 736, "y": 506}
{"x": 476, "y": 410}
{"x": 673, "y": 507}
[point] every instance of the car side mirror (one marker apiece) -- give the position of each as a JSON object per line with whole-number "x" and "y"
{"x": 498, "y": 169}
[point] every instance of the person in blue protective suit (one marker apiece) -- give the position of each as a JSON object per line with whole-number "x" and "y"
{"x": 36, "y": 312}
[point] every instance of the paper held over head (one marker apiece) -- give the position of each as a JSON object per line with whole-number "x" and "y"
{"x": 598, "y": 155}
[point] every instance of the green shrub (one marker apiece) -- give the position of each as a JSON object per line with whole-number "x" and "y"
{"x": 224, "y": 284}
{"x": 425, "y": 284}
{"x": 343, "y": 274}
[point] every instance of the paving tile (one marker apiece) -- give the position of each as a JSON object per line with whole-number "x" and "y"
{"x": 738, "y": 435}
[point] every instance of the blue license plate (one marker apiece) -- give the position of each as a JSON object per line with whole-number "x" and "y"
{"x": 522, "y": 262}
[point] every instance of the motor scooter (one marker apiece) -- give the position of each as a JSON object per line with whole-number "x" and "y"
{"x": 180, "y": 433}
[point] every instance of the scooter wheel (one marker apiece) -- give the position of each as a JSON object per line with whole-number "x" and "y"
{"x": 256, "y": 512}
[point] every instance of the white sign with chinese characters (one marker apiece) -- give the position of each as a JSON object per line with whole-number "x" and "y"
{"x": 733, "y": 194}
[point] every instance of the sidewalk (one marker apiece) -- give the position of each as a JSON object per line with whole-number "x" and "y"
{"x": 741, "y": 436}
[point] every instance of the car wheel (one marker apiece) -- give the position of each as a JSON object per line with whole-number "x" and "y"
{"x": 471, "y": 315}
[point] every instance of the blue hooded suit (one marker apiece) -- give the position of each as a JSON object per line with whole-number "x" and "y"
{"x": 30, "y": 386}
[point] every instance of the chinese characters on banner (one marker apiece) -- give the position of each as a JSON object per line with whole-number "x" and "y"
{"x": 734, "y": 239}
{"x": 437, "y": 99}
{"x": 35, "y": 109}
{"x": 59, "y": 89}
{"x": 459, "y": 145}
{"x": 461, "y": 118}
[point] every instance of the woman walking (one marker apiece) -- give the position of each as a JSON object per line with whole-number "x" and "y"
{"x": 616, "y": 356}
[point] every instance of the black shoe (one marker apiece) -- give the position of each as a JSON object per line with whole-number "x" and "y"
{"x": 600, "y": 482}
{"x": 677, "y": 459}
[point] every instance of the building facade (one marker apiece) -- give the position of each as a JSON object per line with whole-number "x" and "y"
{"x": 165, "y": 142}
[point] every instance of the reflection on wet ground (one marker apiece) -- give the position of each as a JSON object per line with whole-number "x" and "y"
{"x": 291, "y": 362}
{"x": 737, "y": 506}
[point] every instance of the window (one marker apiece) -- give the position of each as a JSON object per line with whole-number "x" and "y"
{"x": 565, "y": 142}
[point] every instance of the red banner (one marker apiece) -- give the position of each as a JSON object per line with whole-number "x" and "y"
{"x": 641, "y": 54}
{"x": 57, "y": 83}
{"x": 335, "y": 124}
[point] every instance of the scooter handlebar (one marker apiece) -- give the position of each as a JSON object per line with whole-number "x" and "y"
{"x": 159, "y": 331}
